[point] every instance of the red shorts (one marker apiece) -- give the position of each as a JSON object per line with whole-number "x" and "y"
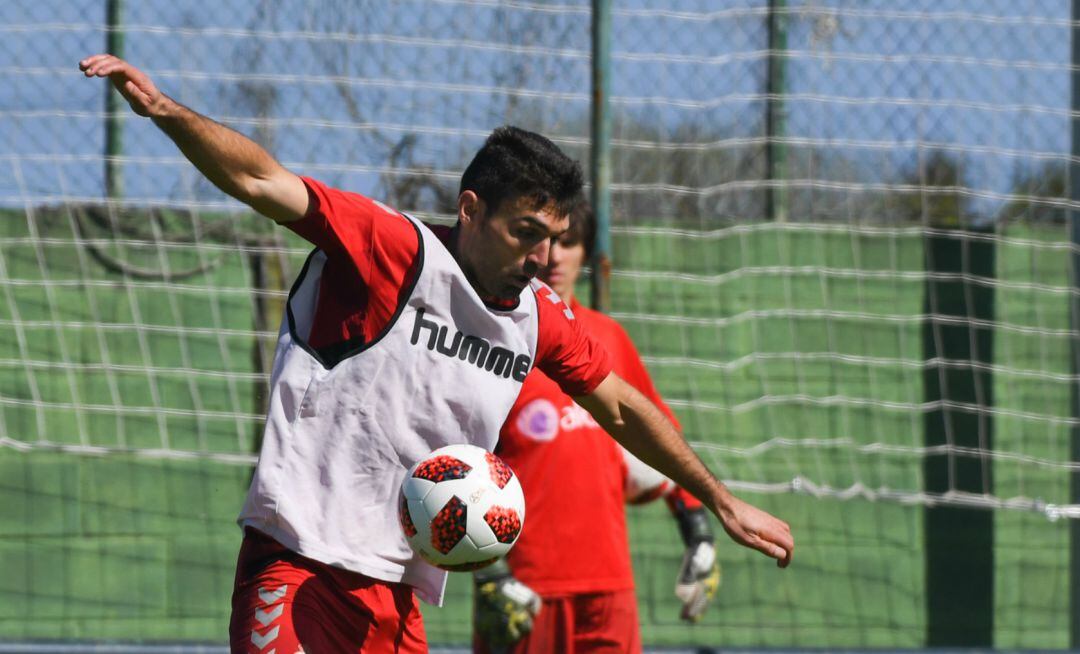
{"x": 287, "y": 603}
{"x": 589, "y": 623}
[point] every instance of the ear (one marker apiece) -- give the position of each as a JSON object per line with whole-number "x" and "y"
{"x": 470, "y": 207}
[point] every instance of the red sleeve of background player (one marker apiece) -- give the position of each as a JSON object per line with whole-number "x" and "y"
{"x": 565, "y": 352}
{"x": 632, "y": 369}
{"x": 679, "y": 500}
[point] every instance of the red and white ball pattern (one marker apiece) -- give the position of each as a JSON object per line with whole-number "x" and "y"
{"x": 461, "y": 508}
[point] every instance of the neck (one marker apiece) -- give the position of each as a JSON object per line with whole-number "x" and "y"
{"x": 454, "y": 245}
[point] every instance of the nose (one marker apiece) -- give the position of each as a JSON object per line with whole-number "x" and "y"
{"x": 537, "y": 258}
{"x": 555, "y": 254}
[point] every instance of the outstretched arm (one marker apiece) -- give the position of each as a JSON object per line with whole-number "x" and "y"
{"x": 640, "y": 427}
{"x": 234, "y": 163}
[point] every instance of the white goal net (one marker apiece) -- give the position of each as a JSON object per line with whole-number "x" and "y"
{"x": 840, "y": 241}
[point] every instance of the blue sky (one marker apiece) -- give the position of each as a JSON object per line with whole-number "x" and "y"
{"x": 341, "y": 86}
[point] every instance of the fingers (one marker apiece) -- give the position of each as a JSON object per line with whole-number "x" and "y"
{"x": 87, "y": 62}
{"x": 783, "y": 556}
{"x": 135, "y": 86}
{"x": 772, "y": 550}
{"x": 773, "y": 540}
{"x": 782, "y": 543}
{"x": 92, "y": 66}
{"x": 102, "y": 65}
{"x": 758, "y": 530}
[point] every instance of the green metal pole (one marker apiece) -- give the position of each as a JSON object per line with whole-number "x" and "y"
{"x": 776, "y": 208}
{"x": 114, "y": 128}
{"x": 958, "y": 542}
{"x": 600, "y": 162}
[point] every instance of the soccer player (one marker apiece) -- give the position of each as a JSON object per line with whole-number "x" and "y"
{"x": 572, "y": 561}
{"x": 397, "y": 339}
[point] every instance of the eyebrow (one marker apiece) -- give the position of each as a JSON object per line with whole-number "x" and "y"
{"x": 536, "y": 222}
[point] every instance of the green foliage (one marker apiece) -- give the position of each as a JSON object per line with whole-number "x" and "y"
{"x": 1038, "y": 196}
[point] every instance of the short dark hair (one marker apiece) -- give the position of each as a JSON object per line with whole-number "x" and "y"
{"x": 582, "y": 226}
{"x": 517, "y": 163}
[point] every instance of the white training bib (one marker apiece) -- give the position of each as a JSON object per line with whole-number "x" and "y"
{"x": 339, "y": 439}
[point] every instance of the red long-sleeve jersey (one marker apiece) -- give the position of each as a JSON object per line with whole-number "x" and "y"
{"x": 574, "y": 477}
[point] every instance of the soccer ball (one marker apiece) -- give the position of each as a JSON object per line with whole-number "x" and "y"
{"x": 461, "y": 508}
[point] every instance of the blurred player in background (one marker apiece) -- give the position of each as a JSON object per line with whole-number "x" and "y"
{"x": 567, "y": 586}
{"x": 400, "y": 338}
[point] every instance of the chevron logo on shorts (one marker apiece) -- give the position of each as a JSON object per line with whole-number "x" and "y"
{"x": 262, "y": 640}
{"x": 265, "y": 616}
{"x": 269, "y": 615}
{"x": 268, "y": 597}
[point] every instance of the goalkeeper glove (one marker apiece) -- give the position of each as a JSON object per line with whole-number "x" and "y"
{"x": 699, "y": 573}
{"x": 503, "y": 608}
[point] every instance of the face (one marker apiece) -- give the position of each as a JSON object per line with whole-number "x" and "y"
{"x": 501, "y": 251}
{"x": 564, "y": 266}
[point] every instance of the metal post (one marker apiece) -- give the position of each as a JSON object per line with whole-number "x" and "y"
{"x": 959, "y": 300}
{"x": 600, "y": 162}
{"x": 1074, "y": 339}
{"x": 775, "y": 152}
{"x": 114, "y": 135}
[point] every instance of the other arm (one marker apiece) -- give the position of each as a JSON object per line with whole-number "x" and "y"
{"x": 234, "y": 163}
{"x": 640, "y": 427}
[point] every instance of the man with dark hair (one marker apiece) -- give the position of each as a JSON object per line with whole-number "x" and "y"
{"x": 572, "y": 560}
{"x": 517, "y": 163}
{"x": 357, "y": 397}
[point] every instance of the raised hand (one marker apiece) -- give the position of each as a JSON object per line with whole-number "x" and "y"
{"x": 132, "y": 83}
{"x": 756, "y": 529}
